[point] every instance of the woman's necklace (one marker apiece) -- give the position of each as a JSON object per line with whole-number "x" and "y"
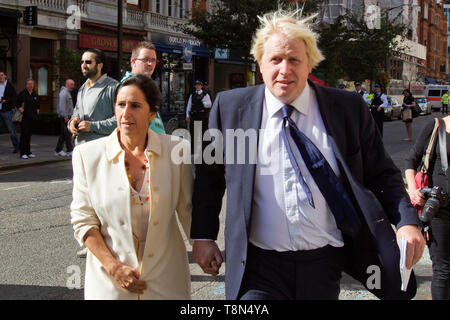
{"x": 135, "y": 194}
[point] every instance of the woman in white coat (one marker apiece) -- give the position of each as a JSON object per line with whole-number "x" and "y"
{"x": 128, "y": 190}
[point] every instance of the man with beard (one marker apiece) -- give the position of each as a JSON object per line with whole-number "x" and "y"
{"x": 93, "y": 116}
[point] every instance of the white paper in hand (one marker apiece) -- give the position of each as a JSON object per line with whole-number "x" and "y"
{"x": 405, "y": 273}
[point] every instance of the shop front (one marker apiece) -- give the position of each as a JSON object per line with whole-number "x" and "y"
{"x": 181, "y": 61}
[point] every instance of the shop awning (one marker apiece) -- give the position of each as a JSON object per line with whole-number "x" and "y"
{"x": 317, "y": 80}
{"x": 162, "y": 47}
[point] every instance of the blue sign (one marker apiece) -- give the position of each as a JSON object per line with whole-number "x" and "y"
{"x": 187, "y": 51}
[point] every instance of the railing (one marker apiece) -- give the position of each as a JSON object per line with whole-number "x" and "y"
{"x": 134, "y": 16}
{"x": 50, "y": 4}
{"x": 158, "y": 20}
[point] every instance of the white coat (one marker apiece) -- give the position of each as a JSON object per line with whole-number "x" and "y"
{"x": 101, "y": 199}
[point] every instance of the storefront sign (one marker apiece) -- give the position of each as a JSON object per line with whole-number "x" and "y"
{"x": 221, "y": 53}
{"x": 187, "y": 66}
{"x": 105, "y": 43}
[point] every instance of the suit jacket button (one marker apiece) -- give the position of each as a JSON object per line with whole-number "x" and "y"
{"x": 243, "y": 262}
{"x": 155, "y": 223}
{"x": 150, "y": 255}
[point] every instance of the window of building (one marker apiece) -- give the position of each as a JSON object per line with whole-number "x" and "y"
{"x": 158, "y": 6}
{"x": 134, "y": 2}
{"x": 182, "y": 9}
{"x": 425, "y": 11}
{"x": 172, "y": 8}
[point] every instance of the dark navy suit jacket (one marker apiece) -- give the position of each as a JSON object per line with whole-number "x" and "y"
{"x": 373, "y": 181}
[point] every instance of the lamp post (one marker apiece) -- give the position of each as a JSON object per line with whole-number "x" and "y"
{"x": 119, "y": 37}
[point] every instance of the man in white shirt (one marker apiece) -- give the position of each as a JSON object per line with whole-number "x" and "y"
{"x": 7, "y": 104}
{"x": 285, "y": 237}
{"x": 379, "y": 103}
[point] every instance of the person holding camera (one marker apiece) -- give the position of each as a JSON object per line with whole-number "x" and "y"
{"x": 436, "y": 212}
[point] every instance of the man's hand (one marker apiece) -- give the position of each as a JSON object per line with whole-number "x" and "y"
{"x": 84, "y": 126}
{"x": 207, "y": 255}
{"x": 72, "y": 127}
{"x": 187, "y": 119}
{"x": 415, "y": 243}
{"x": 379, "y": 109}
{"x": 21, "y": 109}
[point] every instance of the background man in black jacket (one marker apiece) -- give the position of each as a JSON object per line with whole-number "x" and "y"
{"x": 28, "y": 104}
{"x": 7, "y": 103}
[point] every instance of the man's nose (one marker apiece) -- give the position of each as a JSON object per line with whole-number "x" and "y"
{"x": 284, "y": 67}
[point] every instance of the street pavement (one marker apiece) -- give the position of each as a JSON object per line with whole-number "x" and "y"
{"x": 37, "y": 257}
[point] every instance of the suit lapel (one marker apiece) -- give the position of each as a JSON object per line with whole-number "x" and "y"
{"x": 250, "y": 116}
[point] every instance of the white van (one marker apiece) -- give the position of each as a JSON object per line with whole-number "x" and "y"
{"x": 433, "y": 93}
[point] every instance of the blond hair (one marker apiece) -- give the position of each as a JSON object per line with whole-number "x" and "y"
{"x": 141, "y": 45}
{"x": 288, "y": 24}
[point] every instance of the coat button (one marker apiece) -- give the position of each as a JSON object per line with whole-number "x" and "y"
{"x": 155, "y": 223}
{"x": 243, "y": 262}
{"x": 150, "y": 255}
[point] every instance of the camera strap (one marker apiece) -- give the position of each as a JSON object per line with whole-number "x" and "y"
{"x": 443, "y": 146}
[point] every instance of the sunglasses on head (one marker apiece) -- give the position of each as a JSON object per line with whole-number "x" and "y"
{"x": 86, "y": 61}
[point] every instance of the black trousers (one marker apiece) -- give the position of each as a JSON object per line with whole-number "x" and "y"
{"x": 293, "y": 275}
{"x": 26, "y": 128}
{"x": 64, "y": 137}
{"x": 444, "y": 108}
{"x": 378, "y": 116}
{"x": 439, "y": 248}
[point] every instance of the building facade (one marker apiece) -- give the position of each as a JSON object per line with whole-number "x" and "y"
{"x": 31, "y": 51}
{"x": 407, "y": 68}
{"x": 432, "y": 32}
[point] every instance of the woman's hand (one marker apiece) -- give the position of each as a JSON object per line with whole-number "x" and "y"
{"x": 127, "y": 277}
{"x": 416, "y": 197}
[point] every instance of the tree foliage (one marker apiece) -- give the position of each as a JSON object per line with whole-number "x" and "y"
{"x": 232, "y": 23}
{"x": 355, "y": 51}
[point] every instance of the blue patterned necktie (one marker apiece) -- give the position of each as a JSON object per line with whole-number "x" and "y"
{"x": 330, "y": 186}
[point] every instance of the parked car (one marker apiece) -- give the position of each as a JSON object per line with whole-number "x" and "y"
{"x": 424, "y": 105}
{"x": 394, "y": 109}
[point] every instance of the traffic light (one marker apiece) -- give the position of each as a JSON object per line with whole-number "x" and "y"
{"x": 30, "y": 16}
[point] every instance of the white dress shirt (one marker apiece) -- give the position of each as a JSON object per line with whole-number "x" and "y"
{"x": 206, "y": 102}
{"x": 282, "y": 218}
{"x": 2, "y": 92}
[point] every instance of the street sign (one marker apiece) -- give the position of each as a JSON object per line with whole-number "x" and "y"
{"x": 30, "y": 16}
{"x": 221, "y": 53}
{"x": 187, "y": 51}
{"x": 187, "y": 66}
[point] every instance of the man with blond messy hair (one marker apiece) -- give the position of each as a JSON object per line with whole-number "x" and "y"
{"x": 322, "y": 195}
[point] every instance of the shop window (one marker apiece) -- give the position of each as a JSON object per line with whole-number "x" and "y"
{"x": 43, "y": 80}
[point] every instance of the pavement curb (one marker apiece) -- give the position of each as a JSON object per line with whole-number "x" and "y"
{"x": 30, "y": 164}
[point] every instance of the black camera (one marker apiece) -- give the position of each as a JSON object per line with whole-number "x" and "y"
{"x": 436, "y": 198}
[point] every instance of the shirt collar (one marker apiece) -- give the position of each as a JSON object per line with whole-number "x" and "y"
{"x": 301, "y": 103}
{"x": 113, "y": 148}
{"x": 99, "y": 81}
{"x": 4, "y": 83}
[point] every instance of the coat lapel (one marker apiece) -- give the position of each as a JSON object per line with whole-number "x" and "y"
{"x": 250, "y": 115}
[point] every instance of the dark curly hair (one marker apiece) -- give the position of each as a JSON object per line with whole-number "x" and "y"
{"x": 148, "y": 88}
